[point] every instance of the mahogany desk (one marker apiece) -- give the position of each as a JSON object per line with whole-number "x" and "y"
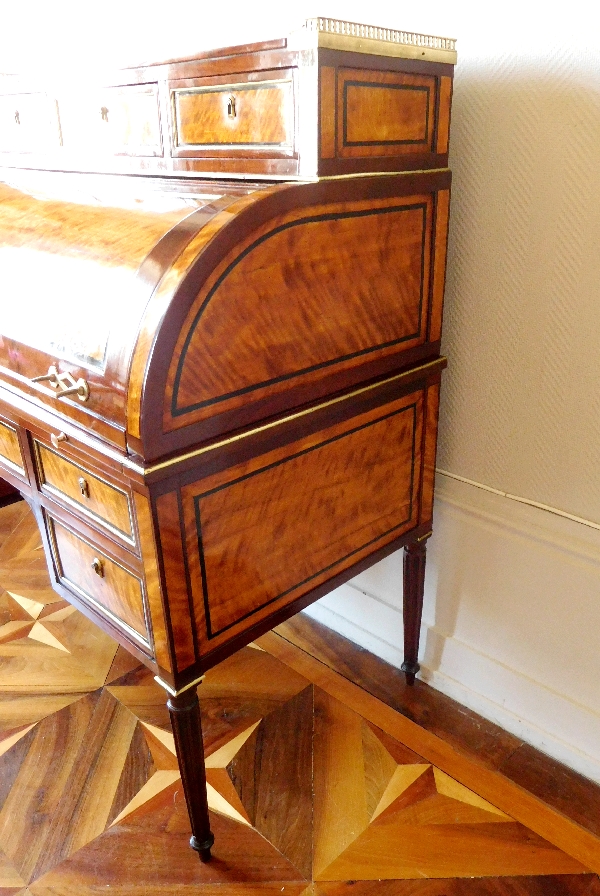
{"x": 222, "y": 285}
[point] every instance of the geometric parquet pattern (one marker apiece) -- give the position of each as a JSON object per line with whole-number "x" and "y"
{"x": 307, "y": 797}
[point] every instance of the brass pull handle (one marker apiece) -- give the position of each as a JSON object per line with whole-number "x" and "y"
{"x": 57, "y": 439}
{"x": 231, "y": 107}
{"x": 104, "y": 113}
{"x": 98, "y": 567}
{"x": 64, "y": 383}
{"x": 17, "y": 117}
{"x": 83, "y": 487}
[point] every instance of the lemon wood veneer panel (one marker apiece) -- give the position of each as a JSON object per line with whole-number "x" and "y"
{"x": 385, "y": 113}
{"x": 10, "y": 448}
{"x": 355, "y": 277}
{"x": 99, "y": 579}
{"x": 252, "y": 523}
{"x": 93, "y": 495}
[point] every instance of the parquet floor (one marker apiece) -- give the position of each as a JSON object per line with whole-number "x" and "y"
{"x": 316, "y": 787}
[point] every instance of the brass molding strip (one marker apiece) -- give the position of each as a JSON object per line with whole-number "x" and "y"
{"x": 244, "y": 435}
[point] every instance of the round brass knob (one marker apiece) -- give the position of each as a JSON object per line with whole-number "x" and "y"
{"x": 57, "y": 438}
{"x": 98, "y": 567}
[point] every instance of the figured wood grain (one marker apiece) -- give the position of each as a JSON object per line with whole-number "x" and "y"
{"x": 443, "y": 123}
{"x": 432, "y": 407}
{"x": 10, "y": 448}
{"x": 383, "y": 113}
{"x": 327, "y": 81}
{"x": 174, "y": 568}
{"x": 100, "y": 499}
{"x": 319, "y": 289}
{"x": 262, "y": 114}
{"x": 442, "y": 211}
{"x": 117, "y": 590}
{"x": 148, "y": 543}
{"x": 334, "y": 496}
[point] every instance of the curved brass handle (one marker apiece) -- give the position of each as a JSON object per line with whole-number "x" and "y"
{"x": 64, "y": 383}
{"x": 98, "y": 567}
{"x": 84, "y": 487}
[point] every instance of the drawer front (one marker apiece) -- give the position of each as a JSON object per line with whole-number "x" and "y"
{"x": 100, "y": 500}
{"x": 123, "y": 120}
{"x": 259, "y": 115}
{"x": 108, "y": 587}
{"x": 28, "y": 122}
{"x": 272, "y": 529}
{"x": 10, "y": 449}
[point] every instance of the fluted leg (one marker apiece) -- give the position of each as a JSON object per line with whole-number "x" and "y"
{"x": 414, "y": 584}
{"x": 187, "y": 731}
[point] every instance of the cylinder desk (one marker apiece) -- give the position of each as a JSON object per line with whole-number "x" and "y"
{"x": 222, "y": 285}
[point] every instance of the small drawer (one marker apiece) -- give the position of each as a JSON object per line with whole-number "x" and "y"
{"x": 119, "y": 120}
{"x": 10, "y": 450}
{"x": 28, "y": 122}
{"x": 77, "y": 487}
{"x": 107, "y": 586}
{"x": 256, "y": 114}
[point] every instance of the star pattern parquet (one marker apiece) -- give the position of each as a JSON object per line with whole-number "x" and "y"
{"x": 308, "y": 798}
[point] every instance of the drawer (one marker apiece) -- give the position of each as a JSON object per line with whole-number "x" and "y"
{"x": 258, "y": 114}
{"x": 10, "y": 449}
{"x": 28, "y": 122}
{"x": 120, "y": 120}
{"x": 77, "y": 487}
{"x": 107, "y": 586}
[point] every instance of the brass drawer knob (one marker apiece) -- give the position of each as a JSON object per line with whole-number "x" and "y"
{"x": 57, "y": 438}
{"x": 17, "y": 117}
{"x": 231, "y": 107}
{"x": 98, "y": 567}
{"x": 83, "y": 487}
{"x": 104, "y": 113}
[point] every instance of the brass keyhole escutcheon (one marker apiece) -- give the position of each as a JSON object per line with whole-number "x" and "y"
{"x": 84, "y": 487}
{"x": 98, "y": 567}
{"x": 104, "y": 113}
{"x": 231, "y": 107}
{"x": 17, "y": 117}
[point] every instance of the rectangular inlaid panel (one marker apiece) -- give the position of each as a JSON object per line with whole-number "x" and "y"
{"x": 236, "y": 114}
{"x": 28, "y": 122}
{"x": 102, "y": 582}
{"x": 96, "y": 497}
{"x": 300, "y": 516}
{"x": 385, "y": 113}
{"x": 115, "y": 119}
{"x": 10, "y": 449}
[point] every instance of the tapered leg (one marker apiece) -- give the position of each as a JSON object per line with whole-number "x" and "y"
{"x": 414, "y": 584}
{"x": 187, "y": 731}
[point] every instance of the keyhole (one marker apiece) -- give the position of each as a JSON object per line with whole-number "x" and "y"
{"x": 17, "y": 117}
{"x": 231, "y": 107}
{"x": 104, "y": 113}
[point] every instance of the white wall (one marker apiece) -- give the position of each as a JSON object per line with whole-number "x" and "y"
{"x": 512, "y": 613}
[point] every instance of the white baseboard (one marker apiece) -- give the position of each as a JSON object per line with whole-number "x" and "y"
{"x": 511, "y": 623}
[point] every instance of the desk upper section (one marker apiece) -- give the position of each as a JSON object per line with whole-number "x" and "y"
{"x": 333, "y": 98}
{"x": 161, "y": 314}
